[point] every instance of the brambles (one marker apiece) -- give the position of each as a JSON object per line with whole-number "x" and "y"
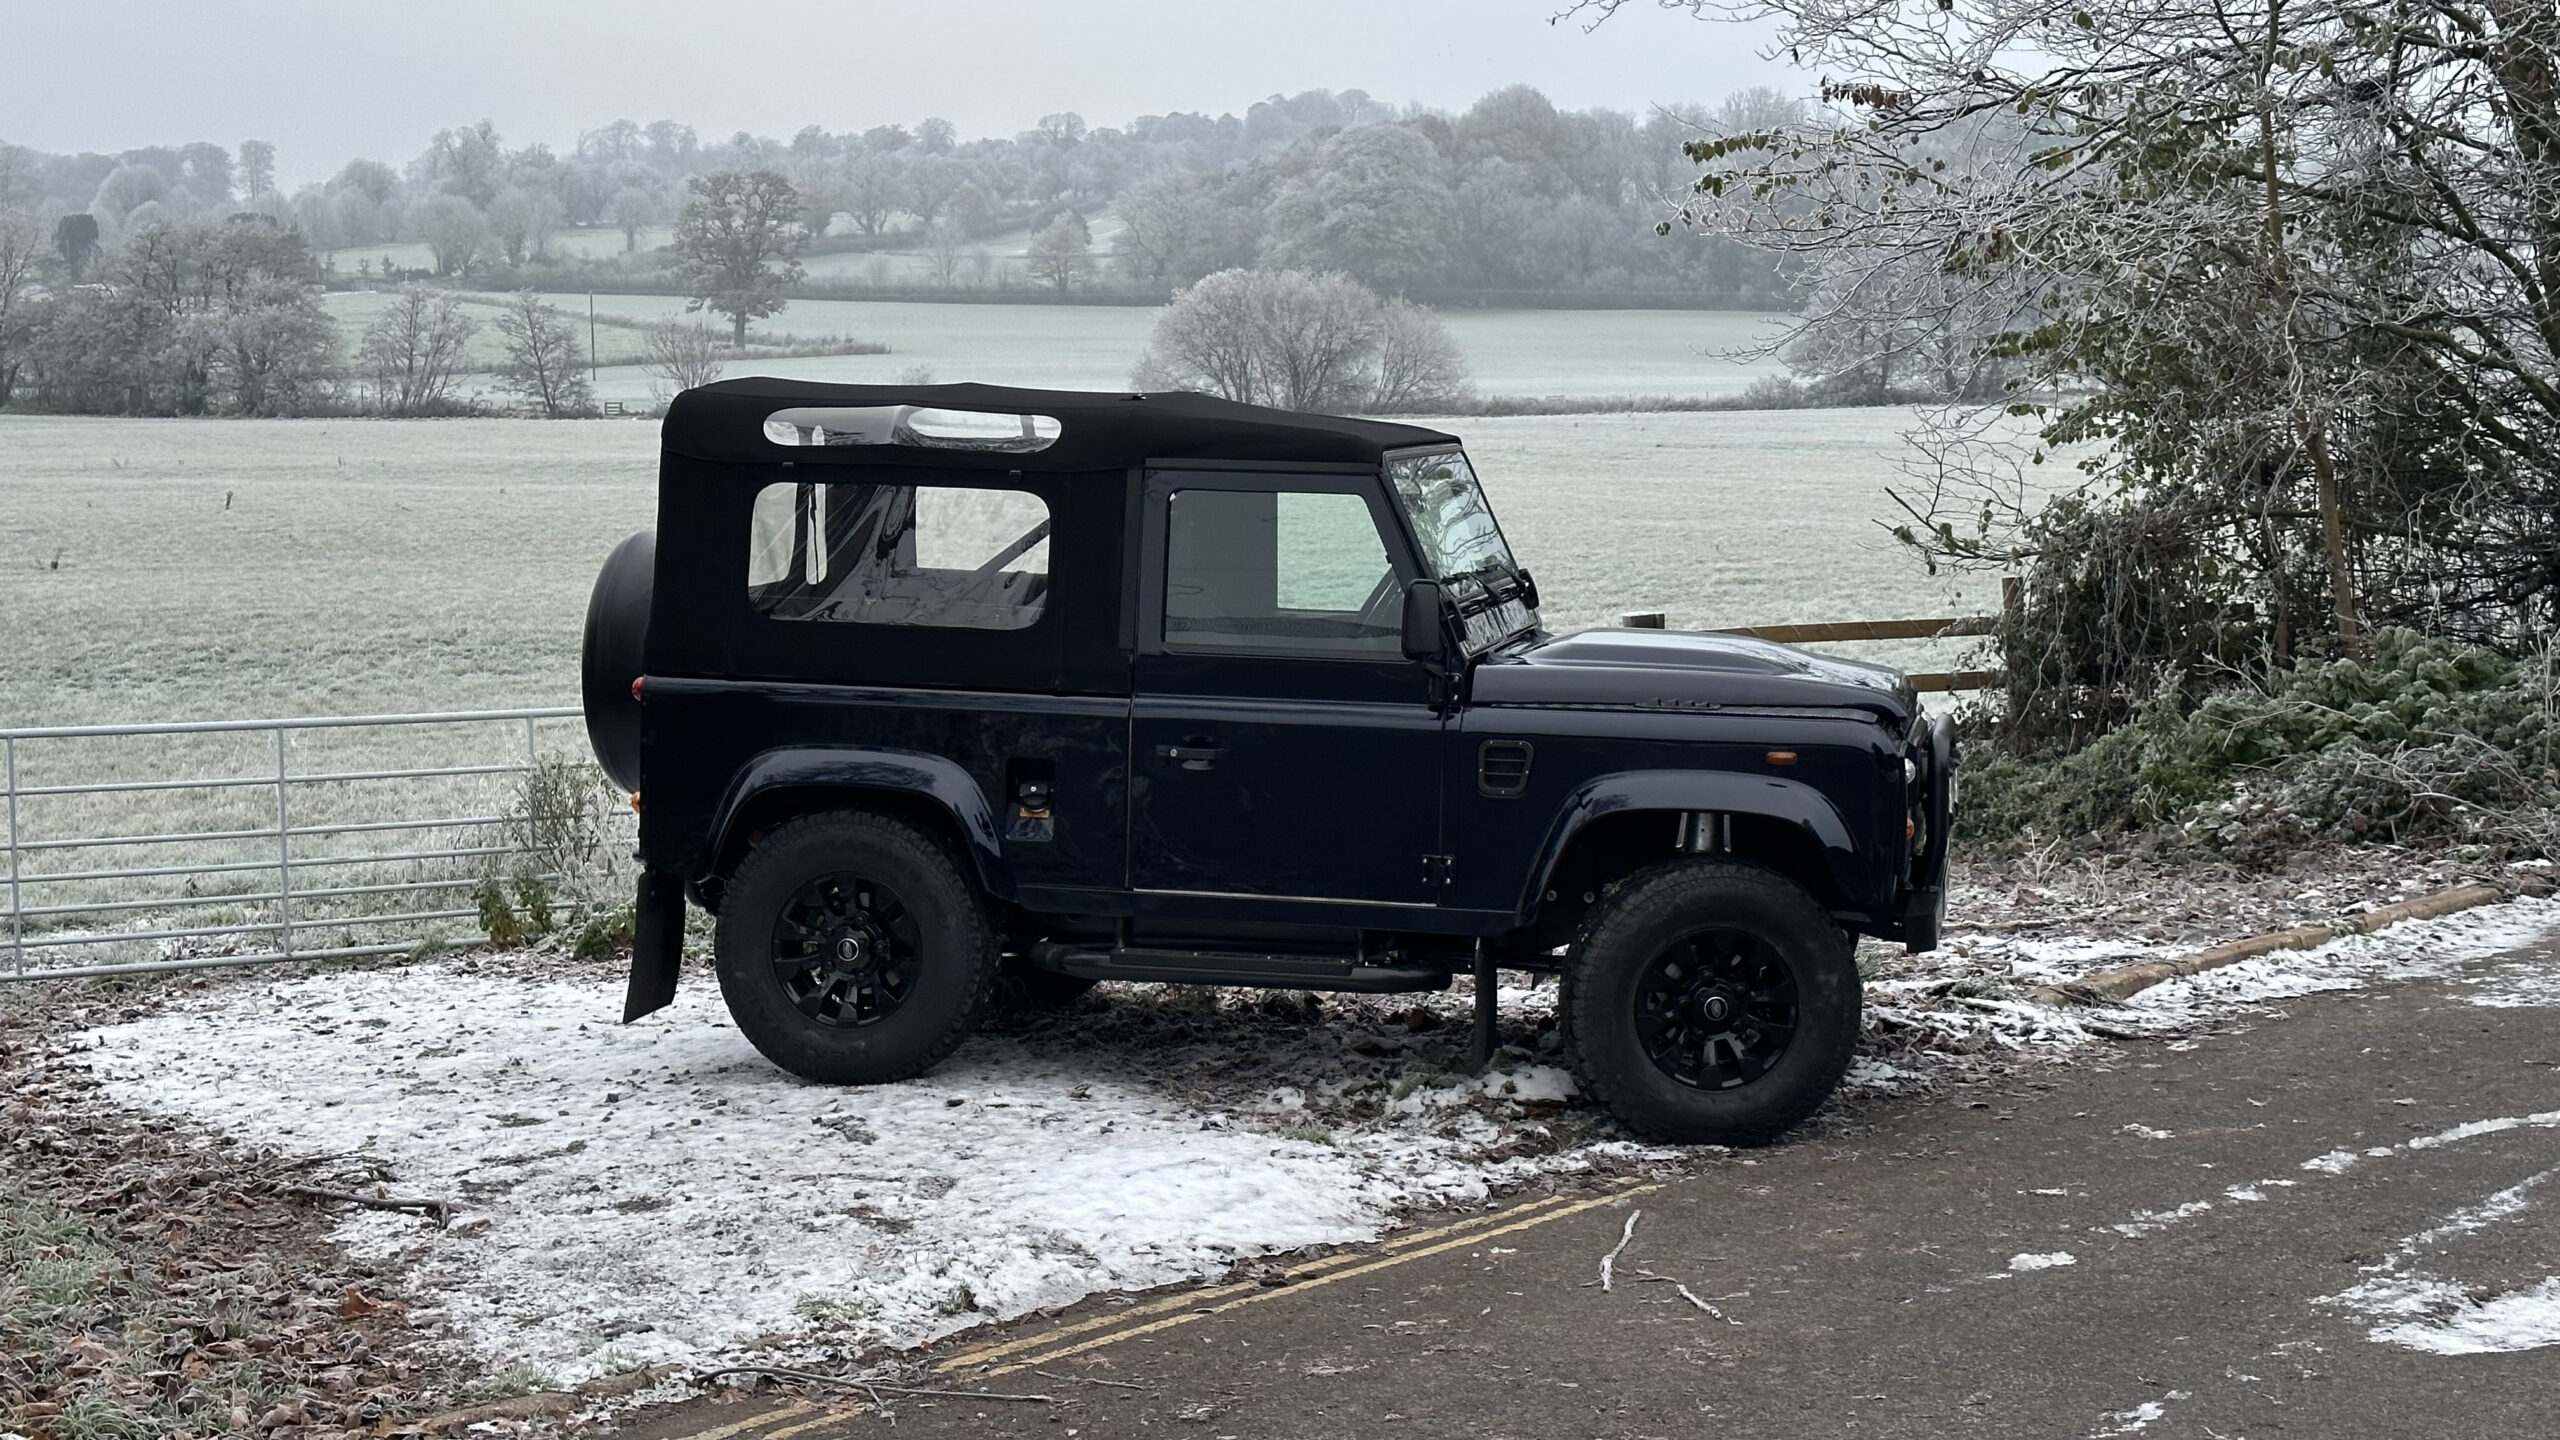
{"x": 2430, "y": 741}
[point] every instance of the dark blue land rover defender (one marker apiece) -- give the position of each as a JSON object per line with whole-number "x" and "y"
{"x": 927, "y": 689}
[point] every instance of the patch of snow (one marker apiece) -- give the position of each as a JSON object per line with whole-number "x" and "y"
{"x": 2501, "y": 1324}
{"x": 658, "y": 1191}
{"x": 2336, "y": 1162}
{"x": 2126, "y": 1422}
{"x": 2021, "y": 1264}
{"x": 1879, "y": 1076}
{"x": 2410, "y": 950}
{"x": 2146, "y": 1132}
{"x": 2420, "y": 1310}
{"x": 2244, "y": 1193}
{"x": 2145, "y": 1222}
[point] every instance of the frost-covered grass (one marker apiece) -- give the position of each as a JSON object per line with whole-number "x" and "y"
{"x": 1095, "y": 347}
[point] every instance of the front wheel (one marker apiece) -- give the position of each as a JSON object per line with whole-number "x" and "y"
{"x": 1711, "y": 1002}
{"x": 852, "y": 951}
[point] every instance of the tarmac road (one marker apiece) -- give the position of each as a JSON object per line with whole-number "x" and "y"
{"x": 1904, "y": 1279}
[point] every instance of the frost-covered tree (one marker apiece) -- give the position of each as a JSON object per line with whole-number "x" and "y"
{"x": 634, "y": 208}
{"x": 455, "y": 232}
{"x": 257, "y": 169}
{"x": 21, "y": 249}
{"x": 1370, "y": 205}
{"x": 414, "y": 349}
{"x": 738, "y": 244}
{"x": 545, "y": 364}
{"x": 1301, "y": 341}
{"x": 679, "y": 355}
{"x": 2289, "y": 270}
{"x": 1061, "y": 255}
{"x": 522, "y": 221}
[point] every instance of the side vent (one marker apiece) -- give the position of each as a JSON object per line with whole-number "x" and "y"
{"x": 1502, "y": 768}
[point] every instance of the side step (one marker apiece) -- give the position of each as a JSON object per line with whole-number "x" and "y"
{"x": 1212, "y": 967}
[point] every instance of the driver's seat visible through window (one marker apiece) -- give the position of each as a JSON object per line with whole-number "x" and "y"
{"x": 1292, "y": 571}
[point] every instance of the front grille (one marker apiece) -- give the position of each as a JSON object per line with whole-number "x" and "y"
{"x": 1502, "y": 768}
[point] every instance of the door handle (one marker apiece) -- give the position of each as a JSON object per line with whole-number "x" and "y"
{"x": 1193, "y": 754}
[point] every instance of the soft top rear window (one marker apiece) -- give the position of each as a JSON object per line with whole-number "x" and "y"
{"x": 919, "y": 425}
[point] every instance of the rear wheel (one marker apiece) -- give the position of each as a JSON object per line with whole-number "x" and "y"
{"x": 852, "y": 950}
{"x": 1711, "y": 1002}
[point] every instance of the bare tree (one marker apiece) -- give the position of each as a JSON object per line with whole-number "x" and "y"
{"x": 679, "y": 355}
{"x": 257, "y": 168}
{"x": 738, "y": 245}
{"x": 544, "y": 364}
{"x": 1061, "y": 255}
{"x": 1301, "y": 341}
{"x": 414, "y": 351}
{"x": 522, "y": 220}
{"x": 633, "y": 209}
{"x": 455, "y": 231}
{"x": 1419, "y": 366}
{"x": 944, "y": 248}
{"x": 21, "y": 247}
{"x": 2286, "y": 268}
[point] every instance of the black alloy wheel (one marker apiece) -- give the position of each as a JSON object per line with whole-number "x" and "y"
{"x": 1710, "y": 1002}
{"x": 846, "y": 950}
{"x": 853, "y": 949}
{"x": 1716, "y": 1009}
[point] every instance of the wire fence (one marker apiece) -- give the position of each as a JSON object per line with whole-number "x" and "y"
{"x": 136, "y": 849}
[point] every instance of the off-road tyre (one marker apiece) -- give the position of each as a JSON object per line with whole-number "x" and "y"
{"x": 1640, "y": 921}
{"x": 954, "y": 949}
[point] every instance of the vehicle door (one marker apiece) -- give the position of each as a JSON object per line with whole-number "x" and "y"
{"x": 1281, "y": 745}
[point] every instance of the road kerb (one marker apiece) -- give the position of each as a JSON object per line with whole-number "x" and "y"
{"x": 2128, "y": 980}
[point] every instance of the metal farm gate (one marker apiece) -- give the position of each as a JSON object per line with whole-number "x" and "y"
{"x": 145, "y": 848}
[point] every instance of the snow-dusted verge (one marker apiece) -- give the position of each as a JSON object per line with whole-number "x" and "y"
{"x": 1975, "y": 993}
{"x": 659, "y": 1192}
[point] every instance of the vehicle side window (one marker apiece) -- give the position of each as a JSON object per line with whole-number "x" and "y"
{"x": 931, "y": 555}
{"x": 1292, "y": 571}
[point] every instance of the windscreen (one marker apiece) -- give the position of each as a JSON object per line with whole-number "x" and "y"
{"x": 1461, "y": 544}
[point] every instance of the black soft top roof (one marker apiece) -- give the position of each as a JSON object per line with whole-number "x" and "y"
{"x": 1098, "y": 430}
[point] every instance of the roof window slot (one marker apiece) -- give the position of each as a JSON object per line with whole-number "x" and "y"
{"x": 922, "y": 427}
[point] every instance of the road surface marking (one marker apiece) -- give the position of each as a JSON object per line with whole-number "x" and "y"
{"x": 790, "y": 1411}
{"x": 1358, "y": 1263}
{"x": 980, "y": 1354}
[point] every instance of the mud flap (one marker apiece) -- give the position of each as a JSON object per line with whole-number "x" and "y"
{"x": 657, "y": 944}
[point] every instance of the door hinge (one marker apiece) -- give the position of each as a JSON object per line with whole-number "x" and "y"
{"x": 1439, "y": 871}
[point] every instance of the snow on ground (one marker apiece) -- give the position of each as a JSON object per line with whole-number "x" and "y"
{"x": 659, "y": 1191}
{"x": 1975, "y": 993}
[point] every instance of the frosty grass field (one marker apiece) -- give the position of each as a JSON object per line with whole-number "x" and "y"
{"x": 1094, "y": 347}
{"x": 227, "y": 568}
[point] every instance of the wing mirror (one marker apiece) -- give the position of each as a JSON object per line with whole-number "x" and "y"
{"x": 1426, "y": 634}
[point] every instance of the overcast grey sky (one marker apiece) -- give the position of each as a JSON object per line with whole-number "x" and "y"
{"x": 328, "y": 81}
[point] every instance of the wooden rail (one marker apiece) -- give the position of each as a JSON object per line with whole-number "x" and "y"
{"x": 1939, "y": 627}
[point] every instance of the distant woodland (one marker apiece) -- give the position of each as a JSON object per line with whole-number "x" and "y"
{"x": 1510, "y": 201}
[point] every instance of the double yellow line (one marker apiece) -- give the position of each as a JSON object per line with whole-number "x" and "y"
{"x": 1007, "y": 1357}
